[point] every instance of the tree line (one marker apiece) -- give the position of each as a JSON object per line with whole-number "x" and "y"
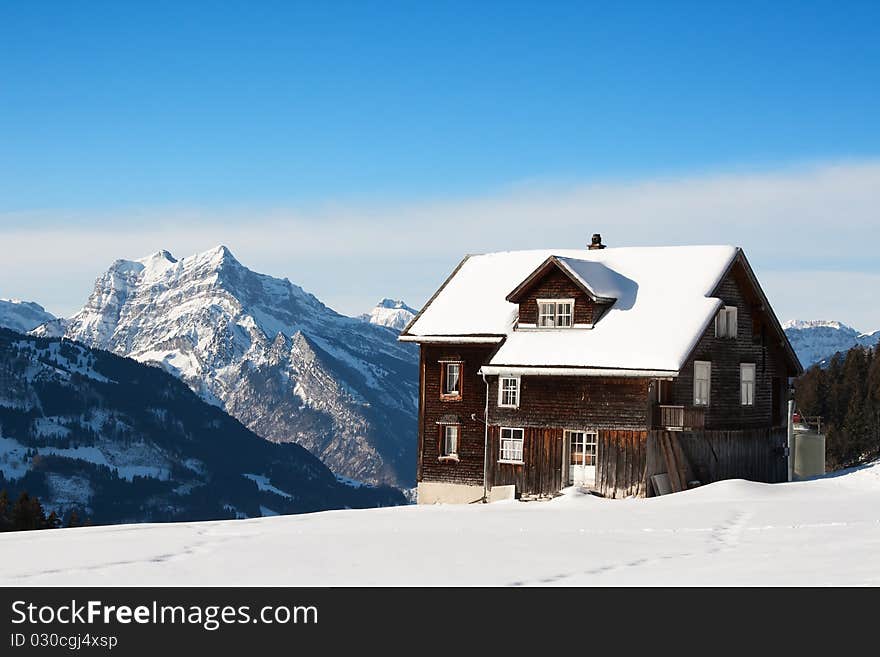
{"x": 27, "y": 513}
{"x": 846, "y": 394}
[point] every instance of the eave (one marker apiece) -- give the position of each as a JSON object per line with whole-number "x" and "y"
{"x": 452, "y": 339}
{"x": 526, "y": 370}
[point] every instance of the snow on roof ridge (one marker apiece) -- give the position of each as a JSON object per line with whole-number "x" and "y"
{"x": 652, "y": 283}
{"x": 598, "y": 253}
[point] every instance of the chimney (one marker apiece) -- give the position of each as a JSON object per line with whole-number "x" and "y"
{"x": 596, "y": 243}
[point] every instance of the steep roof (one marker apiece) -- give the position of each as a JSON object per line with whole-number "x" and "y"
{"x": 662, "y": 306}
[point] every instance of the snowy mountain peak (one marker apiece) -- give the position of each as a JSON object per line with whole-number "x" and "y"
{"x": 394, "y": 303}
{"x": 161, "y": 259}
{"x": 259, "y": 347}
{"x": 390, "y": 313}
{"x": 22, "y": 316}
{"x": 815, "y": 323}
{"x": 816, "y": 341}
{"x": 218, "y": 255}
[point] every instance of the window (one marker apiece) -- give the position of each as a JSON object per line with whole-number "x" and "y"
{"x": 747, "y": 384}
{"x": 451, "y": 384}
{"x": 449, "y": 441}
{"x": 555, "y": 313}
{"x": 508, "y": 391}
{"x": 511, "y": 445}
{"x": 725, "y": 322}
{"x": 583, "y": 446}
{"x": 702, "y": 382}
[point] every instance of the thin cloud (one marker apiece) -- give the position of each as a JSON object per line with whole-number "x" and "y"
{"x": 805, "y": 220}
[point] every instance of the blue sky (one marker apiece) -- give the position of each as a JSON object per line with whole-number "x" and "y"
{"x": 135, "y": 123}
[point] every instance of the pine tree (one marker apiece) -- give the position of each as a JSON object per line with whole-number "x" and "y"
{"x": 5, "y": 520}
{"x": 53, "y": 521}
{"x": 73, "y": 519}
{"x": 27, "y": 514}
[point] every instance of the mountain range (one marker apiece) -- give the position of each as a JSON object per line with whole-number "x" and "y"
{"x": 120, "y": 441}
{"x": 267, "y": 352}
{"x": 816, "y": 341}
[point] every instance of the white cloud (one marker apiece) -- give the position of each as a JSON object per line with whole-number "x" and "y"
{"x": 804, "y": 220}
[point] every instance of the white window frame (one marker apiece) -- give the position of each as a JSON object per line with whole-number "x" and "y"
{"x": 699, "y": 398}
{"x": 747, "y": 385}
{"x": 591, "y": 440}
{"x": 727, "y": 322}
{"x": 556, "y": 316}
{"x": 446, "y": 392}
{"x": 444, "y": 451}
{"x": 501, "y": 391}
{"x": 510, "y": 454}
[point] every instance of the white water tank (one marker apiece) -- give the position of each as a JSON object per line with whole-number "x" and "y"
{"x": 809, "y": 454}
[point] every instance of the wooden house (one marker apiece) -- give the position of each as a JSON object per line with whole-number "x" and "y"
{"x": 621, "y": 370}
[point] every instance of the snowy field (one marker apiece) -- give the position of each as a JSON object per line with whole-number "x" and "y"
{"x": 820, "y": 532}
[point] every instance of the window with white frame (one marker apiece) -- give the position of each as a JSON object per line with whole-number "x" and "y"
{"x": 449, "y": 440}
{"x": 508, "y": 391}
{"x": 555, "y": 313}
{"x": 583, "y": 447}
{"x": 747, "y": 384}
{"x": 702, "y": 382}
{"x": 511, "y": 445}
{"x": 726, "y": 322}
{"x": 452, "y": 380}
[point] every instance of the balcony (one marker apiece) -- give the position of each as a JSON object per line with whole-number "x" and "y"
{"x": 678, "y": 418}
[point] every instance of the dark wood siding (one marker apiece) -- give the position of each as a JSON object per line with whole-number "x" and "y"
{"x": 752, "y": 345}
{"x": 541, "y": 470}
{"x": 753, "y": 454}
{"x": 620, "y": 470}
{"x": 576, "y": 402}
{"x": 620, "y": 467}
{"x": 469, "y": 469}
{"x": 555, "y": 285}
{"x": 627, "y": 459}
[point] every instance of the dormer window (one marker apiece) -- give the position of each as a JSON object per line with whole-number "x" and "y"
{"x": 555, "y": 313}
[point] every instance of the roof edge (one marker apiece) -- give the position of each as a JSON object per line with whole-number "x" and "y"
{"x": 799, "y": 368}
{"x": 695, "y": 340}
{"x": 527, "y": 370}
{"x": 452, "y": 339}
{"x": 405, "y": 331}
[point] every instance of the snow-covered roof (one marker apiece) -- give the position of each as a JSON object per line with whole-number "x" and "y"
{"x": 662, "y": 306}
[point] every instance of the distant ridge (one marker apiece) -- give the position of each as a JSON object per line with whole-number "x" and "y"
{"x": 816, "y": 341}
{"x": 390, "y": 313}
{"x": 22, "y": 316}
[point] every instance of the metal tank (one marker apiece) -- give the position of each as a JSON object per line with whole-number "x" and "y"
{"x": 809, "y": 454}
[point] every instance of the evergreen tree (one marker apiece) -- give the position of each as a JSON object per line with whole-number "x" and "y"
{"x": 5, "y": 520}
{"x": 846, "y": 395}
{"x": 53, "y": 521}
{"x": 73, "y": 519}
{"x": 28, "y": 513}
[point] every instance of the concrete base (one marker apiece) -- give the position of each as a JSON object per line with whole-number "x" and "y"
{"x": 499, "y": 493}
{"x": 434, "y": 492}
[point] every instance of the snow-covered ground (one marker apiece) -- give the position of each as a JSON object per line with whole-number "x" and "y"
{"x": 820, "y": 532}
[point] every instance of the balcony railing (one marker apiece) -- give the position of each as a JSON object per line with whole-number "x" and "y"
{"x": 678, "y": 418}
